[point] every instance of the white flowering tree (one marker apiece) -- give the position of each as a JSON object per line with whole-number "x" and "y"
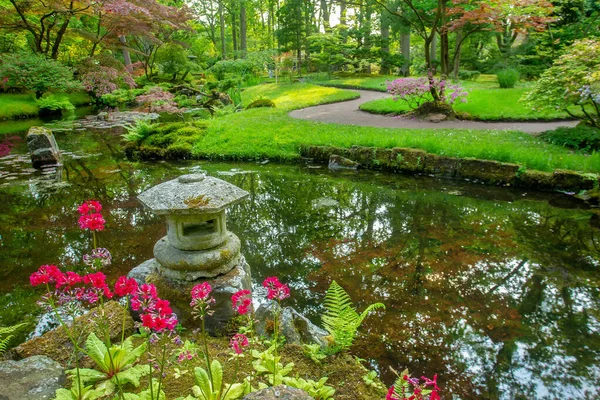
{"x": 573, "y": 80}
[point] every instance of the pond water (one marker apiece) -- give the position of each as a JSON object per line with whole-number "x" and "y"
{"x": 496, "y": 290}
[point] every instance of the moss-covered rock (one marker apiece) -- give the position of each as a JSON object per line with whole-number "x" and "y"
{"x": 572, "y": 181}
{"x": 408, "y": 160}
{"x": 260, "y": 103}
{"x": 491, "y": 172}
{"x": 538, "y": 180}
{"x": 56, "y": 344}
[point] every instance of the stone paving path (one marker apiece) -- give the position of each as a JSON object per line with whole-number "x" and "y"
{"x": 347, "y": 113}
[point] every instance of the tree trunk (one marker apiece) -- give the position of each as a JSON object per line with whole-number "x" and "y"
{"x": 222, "y": 28}
{"x": 444, "y": 45}
{"x": 243, "y": 29}
{"x": 343, "y": 21}
{"x": 126, "y": 55}
{"x": 326, "y": 16}
{"x": 457, "y": 50}
{"x": 405, "y": 49}
{"x": 385, "y": 45}
{"x": 432, "y": 52}
{"x": 234, "y": 36}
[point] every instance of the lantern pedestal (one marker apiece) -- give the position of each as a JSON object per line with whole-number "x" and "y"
{"x": 178, "y": 292}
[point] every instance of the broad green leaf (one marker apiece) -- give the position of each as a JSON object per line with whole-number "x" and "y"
{"x": 216, "y": 370}
{"x": 97, "y": 350}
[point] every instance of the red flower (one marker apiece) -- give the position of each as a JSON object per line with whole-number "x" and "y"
{"x": 390, "y": 394}
{"x": 89, "y": 206}
{"x": 96, "y": 279}
{"x": 125, "y": 286}
{"x": 162, "y": 306}
{"x": 238, "y": 342}
{"x": 201, "y": 291}
{"x": 148, "y": 291}
{"x": 72, "y": 278}
{"x": 148, "y": 321}
{"x": 93, "y": 222}
{"x": 241, "y": 301}
{"x": 47, "y": 274}
{"x": 275, "y": 289}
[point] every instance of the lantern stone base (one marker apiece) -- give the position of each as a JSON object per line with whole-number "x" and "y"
{"x": 191, "y": 265}
{"x": 177, "y": 291}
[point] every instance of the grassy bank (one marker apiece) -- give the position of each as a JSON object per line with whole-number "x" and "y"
{"x": 271, "y": 133}
{"x": 486, "y": 101}
{"x": 13, "y": 106}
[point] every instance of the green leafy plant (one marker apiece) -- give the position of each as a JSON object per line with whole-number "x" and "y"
{"x": 268, "y": 362}
{"x": 212, "y": 387}
{"x": 316, "y": 389}
{"x": 6, "y": 334}
{"x": 508, "y": 78}
{"x": 116, "y": 365}
{"x": 581, "y": 137}
{"x": 140, "y": 131}
{"x": 314, "y": 352}
{"x": 259, "y": 103}
{"x": 341, "y": 319}
{"x": 87, "y": 393}
{"x": 53, "y": 103}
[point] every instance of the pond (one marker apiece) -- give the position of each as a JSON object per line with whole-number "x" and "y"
{"x": 494, "y": 289}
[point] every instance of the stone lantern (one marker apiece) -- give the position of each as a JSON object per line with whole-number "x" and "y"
{"x": 198, "y": 247}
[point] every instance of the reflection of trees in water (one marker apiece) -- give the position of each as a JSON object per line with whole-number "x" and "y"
{"x": 436, "y": 260}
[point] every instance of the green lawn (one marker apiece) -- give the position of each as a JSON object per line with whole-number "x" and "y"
{"x": 271, "y": 133}
{"x": 486, "y": 101}
{"x": 24, "y": 106}
{"x": 288, "y": 96}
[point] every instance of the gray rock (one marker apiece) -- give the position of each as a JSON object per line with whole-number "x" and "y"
{"x": 339, "y": 162}
{"x": 295, "y": 327}
{"x": 142, "y": 271}
{"x": 437, "y": 117}
{"x": 33, "y": 378}
{"x": 280, "y": 392}
{"x": 42, "y": 147}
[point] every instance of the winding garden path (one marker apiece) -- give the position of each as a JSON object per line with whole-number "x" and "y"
{"x": 348, "y": 113}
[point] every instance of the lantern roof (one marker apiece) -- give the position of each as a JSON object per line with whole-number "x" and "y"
{"x": 192, "y": 194}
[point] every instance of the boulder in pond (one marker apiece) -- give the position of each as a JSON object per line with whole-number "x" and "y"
{"x": 42, "y": 147}
{"x": 280, "y": 392}
{"x": 296, "y": 328}
{"x": 339, "y": 162}
{"x": 33, "y": 378}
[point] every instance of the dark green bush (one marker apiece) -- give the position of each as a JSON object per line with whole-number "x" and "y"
{"x": 580, "y": 137}
{"x": 508, "y": 78}
{"x": 179, "y": 151}
{"x": 258, "y": 103}
{"x": 120, "y": 97}
{"x": 467, "y": 75}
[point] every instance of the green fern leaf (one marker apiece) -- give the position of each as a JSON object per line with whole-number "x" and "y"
{"x": 341, "y": 319}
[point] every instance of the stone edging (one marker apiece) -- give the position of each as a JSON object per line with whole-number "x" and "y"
{"x": 413, "y": 161}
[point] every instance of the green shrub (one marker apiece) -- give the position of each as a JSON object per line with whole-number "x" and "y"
{"x": 35, "y": 72}
{"x": 580, "y": 137}
{"x": 53, "y": 103}
{"x": 508, "y": 78}
{"x": 467, "y": 75}
{"x": 140, "y": 131}
{"x": 187, "y": 131}
{"x": 121, "y": 97}
{"x": 258, "y": 103}
{"x": 179, "y": 151}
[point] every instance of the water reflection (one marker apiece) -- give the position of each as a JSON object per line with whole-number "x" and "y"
{"x": 493, "y": 289}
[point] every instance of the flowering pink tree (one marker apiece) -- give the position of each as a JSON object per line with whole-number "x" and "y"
{"x": 158, "y": 100}
{"x": 104, "y": 75}
{"x": 417, "y": 91}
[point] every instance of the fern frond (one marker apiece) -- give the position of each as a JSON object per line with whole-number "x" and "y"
{"x": 341, "y": 319}
{"x": 6, "y": 334}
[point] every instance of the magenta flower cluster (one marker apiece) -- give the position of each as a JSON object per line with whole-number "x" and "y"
{"x": 416, "y": 91}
